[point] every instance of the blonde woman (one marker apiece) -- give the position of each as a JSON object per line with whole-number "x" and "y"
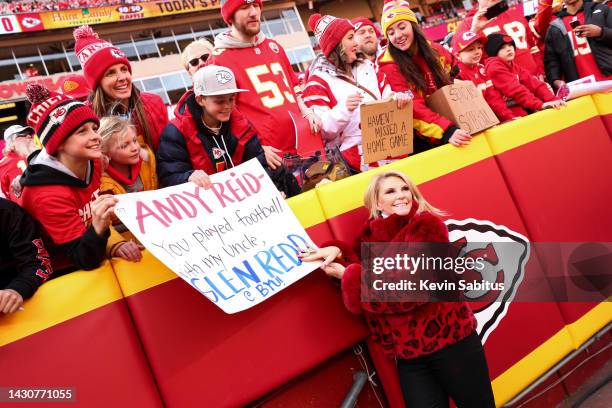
{"x": 435, "y": 345}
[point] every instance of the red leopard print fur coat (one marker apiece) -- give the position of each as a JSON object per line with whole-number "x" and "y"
{"x": 406, "y": 329}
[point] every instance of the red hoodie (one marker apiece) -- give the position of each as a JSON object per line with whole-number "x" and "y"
{"x": 494, "y": 98}
{"x": 517, "y": 84}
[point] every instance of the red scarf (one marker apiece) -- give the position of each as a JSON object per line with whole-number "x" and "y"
{"x": 121, "y": 178}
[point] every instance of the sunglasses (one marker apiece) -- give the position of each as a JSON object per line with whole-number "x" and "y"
{"x": 196, "y": 61}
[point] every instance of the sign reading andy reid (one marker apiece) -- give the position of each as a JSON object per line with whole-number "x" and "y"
{"x": 236, "y": 242}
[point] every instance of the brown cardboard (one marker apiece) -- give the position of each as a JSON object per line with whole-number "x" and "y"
{"x": 464, "y": 105}
{"x": 386, "y": 131}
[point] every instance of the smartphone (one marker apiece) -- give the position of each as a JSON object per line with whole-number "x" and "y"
{"x": 574, "y": 23}
{"x": 496, "y": 9}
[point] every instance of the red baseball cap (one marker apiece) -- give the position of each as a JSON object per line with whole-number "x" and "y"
{"x": 359, "y": 22}
{"x": 75, "y": 86}
{"x": 464, "y": 39}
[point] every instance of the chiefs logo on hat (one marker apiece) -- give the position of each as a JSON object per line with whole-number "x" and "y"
{"x": 468, "y": 35}
{"x": 70, "y": 86}
{"x": 224, "y": 76}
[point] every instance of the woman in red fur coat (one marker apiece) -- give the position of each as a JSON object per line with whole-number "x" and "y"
{"x": 435, "y": 345}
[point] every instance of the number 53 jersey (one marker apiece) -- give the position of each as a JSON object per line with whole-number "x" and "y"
{"x": 264, "y": 69}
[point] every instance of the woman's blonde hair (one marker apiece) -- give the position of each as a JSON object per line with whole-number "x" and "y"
{"x": 104, "y": 106}
{"x": 200, "y": 42}
{"x": 111, "y": 126}
{"x": 370, "y": 197}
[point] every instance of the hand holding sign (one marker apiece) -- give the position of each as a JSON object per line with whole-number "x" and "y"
{"x": 236, "y": 242}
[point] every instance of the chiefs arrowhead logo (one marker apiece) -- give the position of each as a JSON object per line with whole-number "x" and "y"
{"x": 468, "y": 35}
{"x": 70, "y": 86}
{"x": 483, "y": 238}
{"x": 30, "y": 22}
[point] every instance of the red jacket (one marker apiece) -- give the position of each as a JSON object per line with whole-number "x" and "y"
{"x": 478, "y": 76}
{"x": 157, "y": 116}
{"x": 426, "y": 122}
{"x": 11, "y": 167}
{"x": 517, "y": 84}
{"x": 406, "y": 329}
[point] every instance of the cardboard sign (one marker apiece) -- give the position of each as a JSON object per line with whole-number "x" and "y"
{"x": 236, "y": 242}
{"x": 463, "y": 104}
{"x": 386, "y": 131}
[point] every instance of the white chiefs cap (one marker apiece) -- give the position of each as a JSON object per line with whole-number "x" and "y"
{"x": 215, "y": 80}
{"x": 14, "y": 130}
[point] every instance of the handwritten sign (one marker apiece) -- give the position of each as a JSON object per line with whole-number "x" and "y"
{"x": 386, "y": 131}
{"x": 236, "y": 242}
{"x": 463, "y": 104}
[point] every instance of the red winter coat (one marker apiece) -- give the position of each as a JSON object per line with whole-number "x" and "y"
{"x": 478, "y": 76}
{"x": 157, "y": 116}
{"x": 406, "y": 329}
{"x": 426, "y": 122}
{"x": 517, "y": 84}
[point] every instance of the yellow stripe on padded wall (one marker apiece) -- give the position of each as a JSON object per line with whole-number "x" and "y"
{"x": 603, "y": 102}
{"x": 541, "y": 124}
{"x": 307, "y": 209}
{"x": 59, "y": 300}
{"x": 345, "y": 195}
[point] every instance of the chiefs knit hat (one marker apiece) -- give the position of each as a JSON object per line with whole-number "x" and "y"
{"x": 463, "y": 40}
{"x": 394, "y": 11}
{"x": 229, "y": 7}
{"x": 359, "y": 22}
{"x": 496, "y": 41}
{"x": 96, "y": 55}
{"x": 329, "y": 30}
{"x": 55, "y": 116}
{"x": 75, "y": 86}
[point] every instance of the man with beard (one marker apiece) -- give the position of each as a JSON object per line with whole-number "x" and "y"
{"x": 366, "y": 37}
{"x": 19, "y": 144}
{"x": 260, "y": 65}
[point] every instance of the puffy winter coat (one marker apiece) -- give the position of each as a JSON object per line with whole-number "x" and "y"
{"x": 406, "y": 329}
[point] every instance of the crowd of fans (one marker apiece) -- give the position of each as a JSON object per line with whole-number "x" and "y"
{"x": 31, "y": 6}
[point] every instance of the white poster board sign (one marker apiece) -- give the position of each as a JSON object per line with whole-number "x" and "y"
{"x": 236, "y": 242}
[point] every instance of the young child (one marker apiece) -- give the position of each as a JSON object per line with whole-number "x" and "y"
{"x": 131, "y": 168}
{"x": 468, "y": 49}
{"x": 61, "y": 185}
{"x": 523, "y": 92}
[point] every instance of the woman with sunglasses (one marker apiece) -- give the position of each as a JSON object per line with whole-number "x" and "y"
{"x": 194, "y": 56}
{"x": 109, "y": 75}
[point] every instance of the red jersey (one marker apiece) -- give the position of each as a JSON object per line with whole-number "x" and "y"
{"x": 514, "y": 24}
{"x": 494, "y": 98}
{"x": 63, "y": 210}
{"x": 585, "y": 61}
{"x": 11, "y": 167}
{"x": 271, "y": 105}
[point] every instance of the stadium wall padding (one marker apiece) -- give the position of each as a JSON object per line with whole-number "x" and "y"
{"x": 545, "y": 177}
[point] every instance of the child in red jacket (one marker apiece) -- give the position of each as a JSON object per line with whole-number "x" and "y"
{"x": 522, "y": 91}
{"x": 467, "y": 47}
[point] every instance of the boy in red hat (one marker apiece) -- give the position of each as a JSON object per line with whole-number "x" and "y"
{"x": 61, "y": 185}
{"x": 468, "y": 49}
{"x": 522, "y": 91}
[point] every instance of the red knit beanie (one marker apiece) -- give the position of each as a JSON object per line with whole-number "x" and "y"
{"x": 359, "y": 22}
{"x": 55, "y": 116}
{"x": 329, "y": 30}
{"x": 96, "y": 55}
{"x": 229, "y": 7}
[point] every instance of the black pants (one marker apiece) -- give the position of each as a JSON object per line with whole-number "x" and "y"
{"x": 459, "y": 371}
